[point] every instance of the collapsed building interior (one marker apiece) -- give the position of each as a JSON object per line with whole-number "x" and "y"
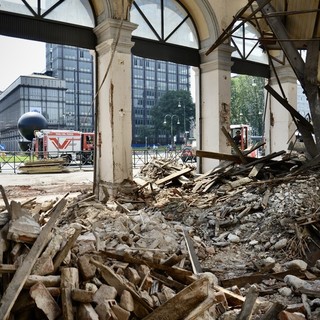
{"x": 246, "y": 247}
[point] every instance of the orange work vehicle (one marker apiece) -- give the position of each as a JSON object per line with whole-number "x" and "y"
{"x": 241, "y": 133}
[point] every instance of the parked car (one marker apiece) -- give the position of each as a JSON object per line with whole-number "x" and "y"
{"x": 188, "y": 154}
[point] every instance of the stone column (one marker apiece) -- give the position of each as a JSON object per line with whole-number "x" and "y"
{"x": 213, "y": 111}
{"x": 279, "y": 126}
{"x": 113, "y": 106}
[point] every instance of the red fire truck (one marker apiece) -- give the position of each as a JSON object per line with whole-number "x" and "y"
{"x": 68, "y": 144}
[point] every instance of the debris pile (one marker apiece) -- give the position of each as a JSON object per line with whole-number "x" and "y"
{"x": 228, "y": 244}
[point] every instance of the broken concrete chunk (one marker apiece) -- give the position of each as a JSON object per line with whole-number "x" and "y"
{"x": 86, "y": 312}
{"x": 43, "y": 266}
{"x": 120, "y": 313}
{"x": 45, "y": 301}
{"x": 87, "y": 269}
{"x": 104, "y": 294}
{"x": 126, "y": 301}
{"x": 24, "y": 229}
{"x": 104, "y": 311}
{"x": 296, "y": 265}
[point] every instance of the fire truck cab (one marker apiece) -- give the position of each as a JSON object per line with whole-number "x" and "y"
{"x": 68, "y": 144}
{"x": 245, "y": 134}
{"x": 245, "y": 142}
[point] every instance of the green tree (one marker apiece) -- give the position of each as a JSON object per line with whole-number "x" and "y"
{"x": 175, "y": 104}
{"x": 247, "y": 102}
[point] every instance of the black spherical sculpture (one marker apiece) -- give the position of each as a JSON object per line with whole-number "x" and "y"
{"x": 29, "y": 122}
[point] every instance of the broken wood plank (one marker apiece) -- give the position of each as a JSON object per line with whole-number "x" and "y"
{"x": 238, "y": 183}
{"x": 255, "y": 170}
{"x": 63, "y": 253}
{"x": 248, "y": 305}
{"x": 273, "y": 311}
{"x": 202, "y": 307}
{"x": 48, "y": 281}
{"x": 196, "y": 267}
{"x": 264, "y": 159}
{"x": 24, "y": 270}
{"x": 69, "y": 281}
{"x": 173, "y": 176}
{"x": 167, "y": 281}
{"x": 173, "y": 259}
{"x": 181, "y": 275}
{"x": 182, "y": 303}
{"x": 5, "y": 199}
{"x": 221, "y": 167}
{"x": 233, "y": 298}
{"x": 222, "y": 156}
{"x": 7, "y": 268}
{"x": 234, "y": 145}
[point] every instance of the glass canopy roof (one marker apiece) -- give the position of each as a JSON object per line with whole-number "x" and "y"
{"x": 164, "y": 21}
{"x": 246, "y": 41}
{"x": 76, "y": 12}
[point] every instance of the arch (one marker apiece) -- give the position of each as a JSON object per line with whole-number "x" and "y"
{"x": 205, "y": 20}
{"x": 157, "y": 48}
{"x": 246, "y": 57}
{"x": 41, "y": 22}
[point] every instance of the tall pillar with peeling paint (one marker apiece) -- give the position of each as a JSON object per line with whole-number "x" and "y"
{"x": 214, "y": 108}
{"x": 113, "y": 106}
{"x": 279, "y": 125}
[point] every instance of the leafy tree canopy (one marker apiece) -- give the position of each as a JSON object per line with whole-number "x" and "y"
{"x": 247, "y": 102}
{"x": 168, "y": 105}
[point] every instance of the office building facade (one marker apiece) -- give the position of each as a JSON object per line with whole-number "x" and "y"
{"x": 151, "y": 79}
{"x": 76, "y": 67}
{"x": 37, "y": 92}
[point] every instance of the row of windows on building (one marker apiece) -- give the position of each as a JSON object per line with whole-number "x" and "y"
{"x": 168, "y": 67}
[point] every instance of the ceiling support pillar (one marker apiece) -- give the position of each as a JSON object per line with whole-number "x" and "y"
{"x": 213, "y": 111}
{"x": 113, "y": 107}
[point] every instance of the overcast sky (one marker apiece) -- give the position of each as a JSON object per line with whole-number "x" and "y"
{"x": 19, "y": 57}
{"x": 23, "y": 57}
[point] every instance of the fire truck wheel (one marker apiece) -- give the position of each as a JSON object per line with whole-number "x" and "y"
{"x": 67, "y": 159}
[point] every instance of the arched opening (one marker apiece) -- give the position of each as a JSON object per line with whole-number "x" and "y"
{"x": 250, "y": 71}
{"x": 165, "y": 31}
{"x": 166, "y": 45}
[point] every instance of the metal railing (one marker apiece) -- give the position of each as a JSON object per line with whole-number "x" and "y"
{"x": 10, "y": 161}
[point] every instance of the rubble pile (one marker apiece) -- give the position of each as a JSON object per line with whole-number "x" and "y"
{"x": 228, "y": 244}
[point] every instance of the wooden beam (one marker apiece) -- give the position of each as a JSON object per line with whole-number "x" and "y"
{"x": 294, "y": 113}
{"x": 5, "y": 199}
{"x": 222, "y": 156}
{"x": 312, "y": 88}
{"x": 182, "y": 303}
{"x": 305, "y": 128}
{"x": 234, "y": 146}
{"x": 231, "y": 28}
{"x": 21, "y": 275}
{"x": 248, "y": 305}
{"x": 279, "y": 30}
{"x": 196, "y": 267}
{"x": 173, "y": 176}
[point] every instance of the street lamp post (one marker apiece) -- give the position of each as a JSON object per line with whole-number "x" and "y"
{"x": 184, "y": 122}
{"x": 171, "y": 116}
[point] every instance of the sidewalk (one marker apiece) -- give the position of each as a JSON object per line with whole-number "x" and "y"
{"x": 78, "y": 176}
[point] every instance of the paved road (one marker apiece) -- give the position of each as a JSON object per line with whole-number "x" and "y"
{"x": 77, "y": 176}
{"x": 74, "y": 176}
